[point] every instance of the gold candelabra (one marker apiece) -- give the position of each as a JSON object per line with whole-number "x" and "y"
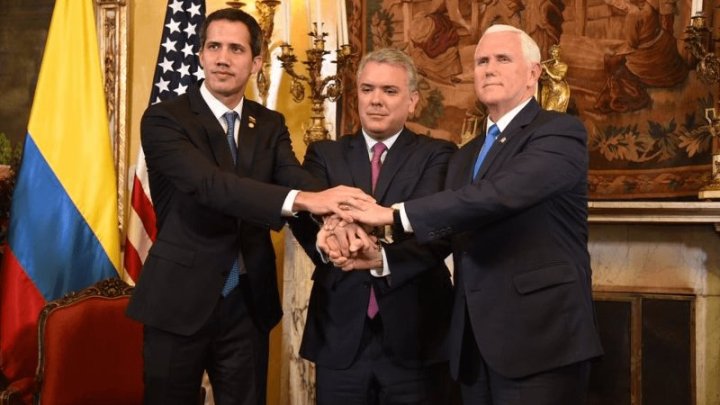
{"x": 698, "y": 40}
{"x": 330, "y": 87}
{"x": 266, "y": 9}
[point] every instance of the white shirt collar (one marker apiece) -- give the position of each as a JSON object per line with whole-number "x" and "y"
{"x": 370, "y": 141}
{"x": 504, "y": 121}
{"x": 216, "y": 106}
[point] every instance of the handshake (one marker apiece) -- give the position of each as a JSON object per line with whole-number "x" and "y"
{"x": 349, "y": 234}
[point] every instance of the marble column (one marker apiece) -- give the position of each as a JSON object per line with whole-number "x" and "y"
{"x": 298, "y": 375}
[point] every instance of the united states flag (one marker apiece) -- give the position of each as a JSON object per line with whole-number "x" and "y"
{"x": 177, "y": 68}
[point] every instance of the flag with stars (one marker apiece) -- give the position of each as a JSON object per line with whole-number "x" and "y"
{"x": 177, "y": 67}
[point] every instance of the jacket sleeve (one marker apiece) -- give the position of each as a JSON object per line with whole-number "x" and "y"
{"x": 552, "y": 163}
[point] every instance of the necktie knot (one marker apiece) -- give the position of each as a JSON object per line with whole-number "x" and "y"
{"x": 493, "y": 131}
{"x": 230, "y": 119}
{"x": 378, "y": 150}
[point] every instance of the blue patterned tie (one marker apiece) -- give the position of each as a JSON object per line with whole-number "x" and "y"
{"x": 492, "y": 133}
{"x": 234, "y": 276}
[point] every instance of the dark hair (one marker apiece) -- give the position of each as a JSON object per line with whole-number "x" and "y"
{"x": 235, "y": 14}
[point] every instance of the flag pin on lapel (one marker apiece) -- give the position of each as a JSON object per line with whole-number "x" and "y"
{"x": 503, "y": 139}
{"x": 251, "y": 121}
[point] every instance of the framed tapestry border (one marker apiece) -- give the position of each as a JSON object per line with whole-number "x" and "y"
{"x": 606, "y": 210}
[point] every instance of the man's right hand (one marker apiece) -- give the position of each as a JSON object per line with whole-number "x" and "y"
{"x": 331, "y": 201}
{"x": 339, "y": 239}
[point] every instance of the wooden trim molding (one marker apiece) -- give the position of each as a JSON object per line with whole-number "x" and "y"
{"x": 654, "y": 212}
{"x": 112, "y": 28}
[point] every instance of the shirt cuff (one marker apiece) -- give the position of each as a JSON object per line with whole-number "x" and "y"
{"x": 385, "y": 271}
{"x": 288, "y": 204}
{"x": 403, "y": 217}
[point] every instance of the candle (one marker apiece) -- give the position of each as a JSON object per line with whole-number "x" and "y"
{"x": 318, "y": 14}
{"x": 697, "y": 6}
{"x": 309, "y": 11}
{"x": 286, "y": 36}
{"x": 343, "y": 24}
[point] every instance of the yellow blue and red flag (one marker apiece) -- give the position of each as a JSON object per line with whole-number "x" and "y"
{"x": 63, "y": 234}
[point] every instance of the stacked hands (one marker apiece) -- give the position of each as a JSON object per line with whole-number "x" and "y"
{"x": 349, "y": 234}
{"x": 349, "y": 245}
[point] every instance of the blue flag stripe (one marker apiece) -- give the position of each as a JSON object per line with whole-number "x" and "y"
{"x": 51, "y": 236}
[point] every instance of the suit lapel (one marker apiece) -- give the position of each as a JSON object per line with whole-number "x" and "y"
{"x": 247, "y": 137}
{"x": 394, "y": 160}
{"x": 512, "y": 132}
{"x": 356, "y": 155}
{"x": 213, "y": 129}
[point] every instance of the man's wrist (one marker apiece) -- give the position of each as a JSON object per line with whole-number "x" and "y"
{"x": 298, "y": 201}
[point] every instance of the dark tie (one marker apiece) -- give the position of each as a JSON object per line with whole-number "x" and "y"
{"x": 492, "y": 133}
{"x": 375, "y": 164}
{"x": 234, "y": 276}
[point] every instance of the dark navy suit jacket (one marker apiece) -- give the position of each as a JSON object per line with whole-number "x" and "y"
{"x": 519, "y": 238}
{"x": 209, "y": 208}
{"x": 415, "y": 301}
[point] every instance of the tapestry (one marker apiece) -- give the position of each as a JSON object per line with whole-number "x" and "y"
{"x": 633, "y": 83}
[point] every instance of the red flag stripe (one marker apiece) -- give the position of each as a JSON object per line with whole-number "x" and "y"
{"x": 142, "y": 205}
{"x": 133, "y": 263}
{"x": 20, "y": 305}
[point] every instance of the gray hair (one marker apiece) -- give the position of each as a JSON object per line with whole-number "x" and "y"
{"x": 394, "y": 57}
{"x": 530, "y": 49}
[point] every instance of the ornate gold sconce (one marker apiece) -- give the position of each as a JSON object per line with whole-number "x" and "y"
{"x": 330, "y": 87}
{"x": 697, "y": 40}
{"x": 266, "y": 9}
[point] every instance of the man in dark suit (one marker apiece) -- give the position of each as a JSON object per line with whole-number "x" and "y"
{"x": 376, "y": 328}
{"x": 523, "y": 328}
{"x": 221, "y": 170}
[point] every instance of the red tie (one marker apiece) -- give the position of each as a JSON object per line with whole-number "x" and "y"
{"x": 378, "y": 149}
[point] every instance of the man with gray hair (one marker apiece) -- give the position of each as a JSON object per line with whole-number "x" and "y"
{"x": 515, "y": 207}
{"x": 377, "y": 323}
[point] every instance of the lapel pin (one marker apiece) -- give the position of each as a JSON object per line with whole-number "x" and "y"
{"x": 251, "y": 121}
{"x": 503, "y": 139}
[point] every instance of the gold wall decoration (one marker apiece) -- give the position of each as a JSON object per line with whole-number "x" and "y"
{"x": 700, "y": 42}
{"x": 321, "y": 88}
{"x": 112, "y": 27}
